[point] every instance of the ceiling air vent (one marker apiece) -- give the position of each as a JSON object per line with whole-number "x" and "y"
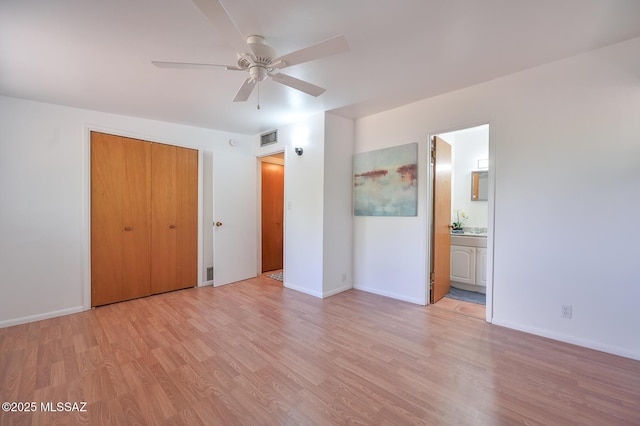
{"x": 269, "y": 138}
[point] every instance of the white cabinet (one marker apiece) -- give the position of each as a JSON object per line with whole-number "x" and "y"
{"x": 481, "y": 267}
{"x": 463, "y": 264}
{"x": 469, "y": 265}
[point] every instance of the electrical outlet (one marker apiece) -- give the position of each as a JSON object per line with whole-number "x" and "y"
{"x": 566, "y": 311}
{"x": 344, "y": 277}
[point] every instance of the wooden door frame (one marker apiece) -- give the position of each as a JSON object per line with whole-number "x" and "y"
{"x": 259, "y": 160}
{"x": 86, "y": 202}
{"x": 490, "y": 217}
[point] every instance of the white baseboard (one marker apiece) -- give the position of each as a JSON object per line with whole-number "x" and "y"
{"x": 315, "y": 293}
{"x": 43, "y": 316}
{"x": 303, "y": 290}
{"x": 390, "y": 295}
{"x": 336, "y": 291}
{"x": 585, "y": 343}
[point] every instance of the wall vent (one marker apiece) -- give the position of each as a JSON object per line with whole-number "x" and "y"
{"x": 210, "y": 274}
{"x": 269, "y": 138}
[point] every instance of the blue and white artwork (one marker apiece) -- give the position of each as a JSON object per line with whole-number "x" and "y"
{"x": 385, "y": 182}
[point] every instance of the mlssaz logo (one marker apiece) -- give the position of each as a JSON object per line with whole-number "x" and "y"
{"x": 63, "y": 406}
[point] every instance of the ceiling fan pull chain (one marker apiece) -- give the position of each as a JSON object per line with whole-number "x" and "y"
{"x": 258, "y": 84}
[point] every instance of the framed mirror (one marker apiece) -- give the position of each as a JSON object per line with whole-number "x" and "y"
{"x": 480, "y": 185}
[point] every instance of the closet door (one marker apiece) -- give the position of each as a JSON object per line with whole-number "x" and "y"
{"x": 174, "y": 206}
{"x": 120, "y": 200}
{"x": 136, "y": 202}
{"x": 187, "y": 217}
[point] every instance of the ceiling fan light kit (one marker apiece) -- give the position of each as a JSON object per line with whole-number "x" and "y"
{"x": 257, "y": 73}
{"x": 262, "y": 62}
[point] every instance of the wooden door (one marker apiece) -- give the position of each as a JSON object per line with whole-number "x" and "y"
{"x": 441, "y": 233}
{"x": 174, "y": 203}
{"x": 187, "y": 218}
{"x": 120, "y": 179}
{"x": 272, "y": 216}
{"x": 137, "y": 224}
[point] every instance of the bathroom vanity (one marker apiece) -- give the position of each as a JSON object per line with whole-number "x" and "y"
{"x": 469, "y": 262}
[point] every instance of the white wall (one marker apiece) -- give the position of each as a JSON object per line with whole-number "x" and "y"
{"x": 338, "y": 211}
{"x": 566, "y": 145}
{"x": 390, "y": 252}
{"x": 303, "y": 197}
{"x": 317, "y": 192}
{"x": 44, "y": 188}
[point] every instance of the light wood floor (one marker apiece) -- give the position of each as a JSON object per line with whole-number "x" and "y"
{"x": 465, "y": 308}
{"x": 257, "y": 353}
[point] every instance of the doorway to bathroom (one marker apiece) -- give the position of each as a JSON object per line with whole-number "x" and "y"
{"x": 460, "y": 220}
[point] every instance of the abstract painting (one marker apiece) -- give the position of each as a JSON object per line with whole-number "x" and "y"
{"x": 385, "y": 182}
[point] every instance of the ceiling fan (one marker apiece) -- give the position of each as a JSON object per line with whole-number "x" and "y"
{"x": 262, "y": 62}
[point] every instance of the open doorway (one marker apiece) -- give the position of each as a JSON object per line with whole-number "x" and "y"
{"x": 460, "y": 221}
{"x": 272, "y": 215}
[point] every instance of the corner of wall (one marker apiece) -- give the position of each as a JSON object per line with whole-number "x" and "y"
{"x": 337, "y": 208}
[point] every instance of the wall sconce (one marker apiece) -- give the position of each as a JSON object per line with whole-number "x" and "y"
{"x": 298, "y": 150}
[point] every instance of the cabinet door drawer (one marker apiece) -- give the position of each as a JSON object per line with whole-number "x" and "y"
{"x": 481, "y": 266}
{"x": 463, "y": 264}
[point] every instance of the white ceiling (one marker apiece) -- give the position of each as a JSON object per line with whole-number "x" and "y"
{"x": 97, "y": 54}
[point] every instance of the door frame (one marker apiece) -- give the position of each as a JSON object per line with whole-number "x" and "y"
{"x": 490, "y": 217}
{"x": 259, "y": 208}
{"x": 86, "y": 202}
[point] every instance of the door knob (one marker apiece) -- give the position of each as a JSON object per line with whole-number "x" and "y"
{"x": 127, "y": 228}
{"x": 218, "y": 223}
{"x": 172, "y": 227}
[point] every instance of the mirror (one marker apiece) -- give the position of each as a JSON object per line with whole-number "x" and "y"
{"x": 480, "y": 185}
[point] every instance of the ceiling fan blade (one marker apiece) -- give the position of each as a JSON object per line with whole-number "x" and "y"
{"x": 245, "y": 90}
{"x": 215, "y": 12}
{"x": 303, "y": 86}
{"x": 323, "y": 49}
{"x": 191, "y": 65}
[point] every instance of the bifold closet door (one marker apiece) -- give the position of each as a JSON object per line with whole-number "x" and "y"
{"x": 174, "y": 218}
{"x": 120, "y": 225}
